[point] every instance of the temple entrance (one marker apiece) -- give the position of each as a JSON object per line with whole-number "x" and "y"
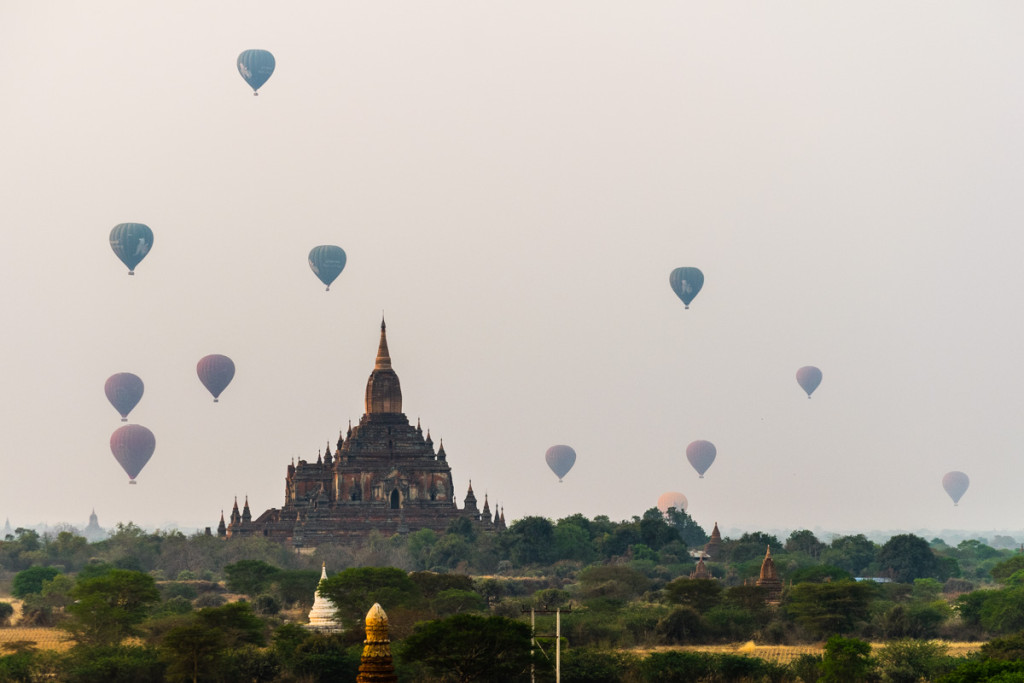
{"x": 394, "y": 500}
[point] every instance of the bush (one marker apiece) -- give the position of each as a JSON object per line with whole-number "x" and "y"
{"x": 209, "y": 600}
{"x": 586, "y": 665}
{"x": 266, "y": 605}
{"x": 6, "y": 612}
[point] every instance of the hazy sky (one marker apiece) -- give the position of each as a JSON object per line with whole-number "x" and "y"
{"x": 513, "y": 182}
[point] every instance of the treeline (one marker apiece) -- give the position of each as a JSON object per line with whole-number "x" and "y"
{"x": 164, "y": 606}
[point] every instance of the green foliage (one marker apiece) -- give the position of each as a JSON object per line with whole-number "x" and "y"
{"x": 266, "y": 605}
{"x": 846, "y": 660}
{"x": 108, "y": 608}
{"x": 250, "y": 577}
{"x": 29, "y": 581}
{"x": 455, "y": 601}
{"x": 749, "y": 546}
{"x": 532, "y": 541}
{"x": 819, "y": 573}
{"x": 690, "y": 533}
{"x": 906, "y": 557}
{"x": 823, "y": 609}
{"x": 296, "y": 586}
{"x": 354, "y": 591}
{"x": 676, "y": 667}
{"x": 1002, "y": 611}
{"x": 6, "y": 612}
{"x": 588, "y": 665}
{"x": 612, "y": 582}
{"x": 472, "y": 648}
{"x": 851, "y": 553}
{"x": 1007, "y": 568}
{"x": 804, "y": 541}
{"x": 909, "y": 661}
{"x": 700, "y": 594}
{"x": 114, "y": 664}
{"x": 683, "y": 625}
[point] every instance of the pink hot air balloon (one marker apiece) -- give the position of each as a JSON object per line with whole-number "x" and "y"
{"x": 956, "y": 484}
{"x": 215, "y": 372}
{"x": 701, "y": 454}
{"x": 124, "y": 391}
{"x": 560, "y": 459}
{"x": 808, "y": 377}
{"x": 132, "y": 446}
{"x": 672, "y": 499}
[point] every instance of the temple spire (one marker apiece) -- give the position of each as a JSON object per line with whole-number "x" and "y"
{"x": 383, "y": 357}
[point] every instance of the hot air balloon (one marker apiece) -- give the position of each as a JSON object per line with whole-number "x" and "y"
{"x": 131, "y": 242}
{"x": 124, "y": 391}
{"x": 956, "y": 484}
{"x": 215, "y": 372}
{"x": 808, "y": 377}
{"x": 327, "y": 262}
{"x": 256, "y": 66}
{"x": 686, "y": 283}
{"x": 701, "y": 454}
{"x": 560, "y": 460}
{"x": 132, "y": 446}
{"x": 672, "y": 499}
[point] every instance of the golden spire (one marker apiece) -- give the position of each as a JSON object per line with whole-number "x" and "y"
{"x": 375, "y": 665}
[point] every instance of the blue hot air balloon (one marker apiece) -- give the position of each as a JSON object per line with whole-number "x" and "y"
{"x": 686, "y": 283}
{"x": 256, "y": 66}
{"x": 131, "y": 242}
{"x": 327, "y": 262}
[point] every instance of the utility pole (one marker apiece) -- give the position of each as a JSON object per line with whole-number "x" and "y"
{"x": 558, "y": 639}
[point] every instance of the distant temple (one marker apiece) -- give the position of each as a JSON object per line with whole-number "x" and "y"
{"x": 376, "y": 666}
{"x": 7, "y": 529}
{"x": 323, "y": 617}
{"x": 769, "y": 578}
{"x": 94, "y": 532}
{"x": 383, "y": 475}
{"x": 701, "y": 571}
{"x": 713, "y": 548}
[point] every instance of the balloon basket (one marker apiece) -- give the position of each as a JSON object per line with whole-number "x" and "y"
{"x": 216, "y": 400}
{"x": 255, "y": 94}
{"x": 132, "y": 482}
{"x": 131, "y": 272}
{"x": 124, "y": 419}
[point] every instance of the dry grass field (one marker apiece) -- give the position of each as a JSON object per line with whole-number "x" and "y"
{"x": 42, "y": 638}
{"x": 784, "y": 654}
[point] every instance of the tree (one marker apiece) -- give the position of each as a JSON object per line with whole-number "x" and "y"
{"x": 691, "y": 533}
{"x": 29, "y": 581}
{"x": 804, "y": 541}
{"x": 198, "y": 643}
{"x": 846, "y": 660}
{"x": 907, "y": 557}
{"x": 612, "y": 581}
{"x": 1007, "y": 568}
{"x": 532, "y": 541}
{"x": 355, "y": 590}
{"x": 655, "y": 532}
{"x": 6, "y": 611}
{"x": 108, "y": 608}
{"x": 852, "y": 553}
{"x": 824, "y": 609}
{"x": 700, "y": 594}
{"x": 250, "y": 577}
{"x": 469, "y": 647}
{"x": 909, "y": 661}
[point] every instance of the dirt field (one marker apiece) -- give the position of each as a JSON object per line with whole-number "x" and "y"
{"x": 787, "y": 653}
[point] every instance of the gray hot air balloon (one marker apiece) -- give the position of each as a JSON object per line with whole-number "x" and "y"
{"x": 132, "y": 446}
{"x": 124, "y": 391}
{"x": 701, "y": 454}
{"x": 808, "y": 377}
{"x": 215, "y": 372}
{"x": 560, "y": 459}
{"x": 956, "y": 484}
{"x": 686, "y": 283}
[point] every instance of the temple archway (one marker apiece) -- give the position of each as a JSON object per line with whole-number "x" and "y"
{"x": 395, "y": 500}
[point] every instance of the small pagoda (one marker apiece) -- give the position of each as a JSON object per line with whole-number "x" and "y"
{"x": 769, "y": 578}
{"x": 322, "y": 618}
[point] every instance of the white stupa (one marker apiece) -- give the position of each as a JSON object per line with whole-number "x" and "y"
{"x": 322, "y": 616}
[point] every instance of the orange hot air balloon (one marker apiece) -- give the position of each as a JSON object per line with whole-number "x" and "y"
{"x": 672, "y": 499}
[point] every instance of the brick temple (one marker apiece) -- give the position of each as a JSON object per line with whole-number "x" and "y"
{"x": 384, "y": 475}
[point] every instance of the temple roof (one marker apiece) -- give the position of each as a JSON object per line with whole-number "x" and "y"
{"x": 383, "y": 391}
